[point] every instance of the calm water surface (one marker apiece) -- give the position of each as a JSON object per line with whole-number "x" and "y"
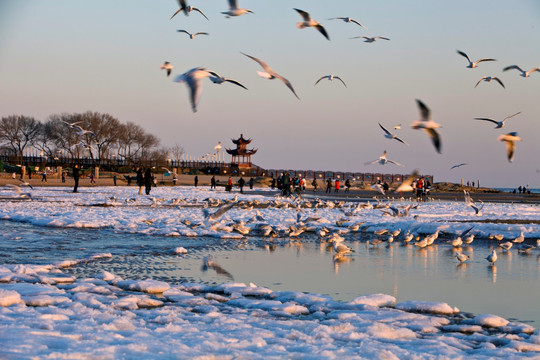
{"x": 511, "y": 288}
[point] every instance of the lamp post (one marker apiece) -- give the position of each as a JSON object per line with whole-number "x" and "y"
{"x": 218, "y": 148}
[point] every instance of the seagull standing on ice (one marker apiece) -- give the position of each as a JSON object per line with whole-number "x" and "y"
{"x": 368, "y": 39}
{"x": 510, "y": 140}
{"x": 193, "y": 79}
{"x": 234, "y": 10}
{"x": 348, "y": 20}
{"x": 500, "y": 124}
{"x": 192, "y": 36}
{"x": 271, "y": 74}
{"x": 330, "y": 77}
{"x": 492, "y": 257}
{"x": 389, "y": 135}
{"x": 472, "y": 65}
{"x": 461, "y": 257}
{"x": 187, "y": 9}
{"x": 383, "y": 160}
{"x": 309, "y": 22}
{"x": 167, "y": 66}
{"x": 489, "y": 79}
{"x": 428, "y": 125}
{"x": 523, "y": 72}
{"x": 218, "y": 79}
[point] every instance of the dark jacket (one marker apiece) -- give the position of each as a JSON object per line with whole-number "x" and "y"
{"x": 140, "y": 178}
{"x": 148, "y": 178}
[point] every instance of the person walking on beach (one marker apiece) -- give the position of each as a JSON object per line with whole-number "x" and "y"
{"x": 44, "y": 176}
{"x": 76, "y": 177}
{"x": 140, "y": 180}
{"x": 251, "y": 183}
{"x": 213, "y": 182}
{"x": 63, "y": 176}
{"x": 229, "y": 184}
{"x": 314, "y": 184}
{"x": 337, "y": 186}
{"x": 347, "y": 185}
{"x": 419, "y": 189}
{"x": 273, "y": 183}
{"x": 114, "y": 179}
{"x": 148, "y": 181}
{"x": 241, "y": 183}
{"x": 328, "y": 186}
{"x": 196, "y": 181}
{"x": 92, "y": 178}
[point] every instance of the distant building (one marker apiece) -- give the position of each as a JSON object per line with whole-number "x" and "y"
{"x": 241, "y": 156}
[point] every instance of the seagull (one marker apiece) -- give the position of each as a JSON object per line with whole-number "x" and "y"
{"x": 348, "y": 20}
{"x": 510, "y": 140}
{"x": 368, "y": 39}
{"x": 470, "y": 202}
{"x": 473, "y": 64}
{"x": 193, "y": 78}
{"x": 523, "y": 73}
{"x": 71, "y": 125}
{"x": 167, "y": 66}
{"x": 20, "y": 194}
{"x": 234, "y": 10}
{"x": 397, "y": 127}
{"x": 500, "y": 124}
{"x": 192, "y": 36}
{"x": 378, "y": 187}
{"x": 309, "y": 22}
{"x": 80, "y": 131}
{"x": 489, "y": 79}
{"x": 461, "y": 257}
{"x": 24, "y": 183}
{"x": 271, "y": 74}
{"x": 187, "y": 9}
{"x": 406, "y": 185}
{"x": 520, "y": 238}
{"x": 458, "y": 165}
{"x": 428, "y": 125}
{"x": 492, "y": 257}
{"x": 330, "y": 77}
{"x": 383, "y": 160}
{"x": 222, "y": 210}
{"x": 391, "y": 136}
{"x": 218, "y": 79}
{"x": 506, "y": 245}
{"x": 209, "y": 263}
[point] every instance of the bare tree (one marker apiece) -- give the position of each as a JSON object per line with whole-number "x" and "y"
{"x": 134, "y": 143}
{"x": 19, "y": 131}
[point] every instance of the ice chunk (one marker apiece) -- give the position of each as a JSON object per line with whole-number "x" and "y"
{"x": 9, "y": 297}
{"x": 490, "y": 320}
{"x": 379, "y": 300}
{"x": 427, "y": 307}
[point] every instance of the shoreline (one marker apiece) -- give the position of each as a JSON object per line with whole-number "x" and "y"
{"x": 355, "y": 194}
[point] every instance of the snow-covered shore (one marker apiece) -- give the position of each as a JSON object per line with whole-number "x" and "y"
{"x": 47, "y": 313}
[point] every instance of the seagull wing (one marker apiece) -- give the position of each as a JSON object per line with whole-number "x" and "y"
{"x": 499, "y": 81}
{"x": 395, "y": 163}
{"x": 304, "y": 14}
{"x": 511, "y": 116}
{"x": 400, "y": 140}
{"x": 466, "y": 231}
{"x": 264, "y": 65}
{"x": 201, "y": 33}
{"x": 337, "y": 77}
{"x": 513, "y": 67}
{"x": 236, "y": 83}
{"x": 195, "y": 89}
{"x": 533, "y": 70}
{"x": 463, "y": 54}
{"x": 286, "y": 82}
{"x": 222, "y": 210}
{"x": 510, "y": 148}
{"x": 233, "y": 4}
{"x": 435, "y": 138}
{"x": 198, "y": 10}
{"x": 386, "y": 131}
{"x": 406, "y": 185}
{"x": 322, "y": 77}
{"x": 356, "y": 22}
{"x": 479, "y": 81}
{"x": 479, "y": 61}
{"x": 487, "y": 119}
{"x": 182, "y": 4}
{"x": 371, "y": 162}
{"x": 381, "y": 37}
{"x": 424, "y": 110}
{"x": 322, "y": 30}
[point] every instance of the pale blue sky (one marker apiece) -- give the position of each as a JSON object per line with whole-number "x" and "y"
{"x": 74, "y": 56}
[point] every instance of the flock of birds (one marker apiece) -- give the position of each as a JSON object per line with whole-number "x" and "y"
{"x": 193, "y": 77}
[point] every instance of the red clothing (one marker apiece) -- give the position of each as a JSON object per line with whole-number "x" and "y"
{"x": 337, "y": 184}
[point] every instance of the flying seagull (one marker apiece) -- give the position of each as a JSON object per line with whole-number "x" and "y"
{"x": 473, "y": 64}
{"x": 330, "y": 77}
{"x": 187, "y": 9}
{"x": 391, "y": 136}
{"x": 348, "y": 20}
{"x": 510, "y": 140}
{"x": 167, "y": 66}
{"x": 489, "y": 79}
{"x": 383, "y": 160}
{"x": 428, "y": 125}
{"x": 458, "y": 165}
{"x": 500, "y": 124}
{"x": 234, "y": 10}
{"x": 309, "y": 22}
{"x": 193, "y": 79}
{"x": 407, "y": 184}
{"x": 268, "y": 73}
{"x": 370, "y": 39}
{"x": 218, "y": 79}
{"x": 523, "y": 73}
{"x": 192, "y": 36}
